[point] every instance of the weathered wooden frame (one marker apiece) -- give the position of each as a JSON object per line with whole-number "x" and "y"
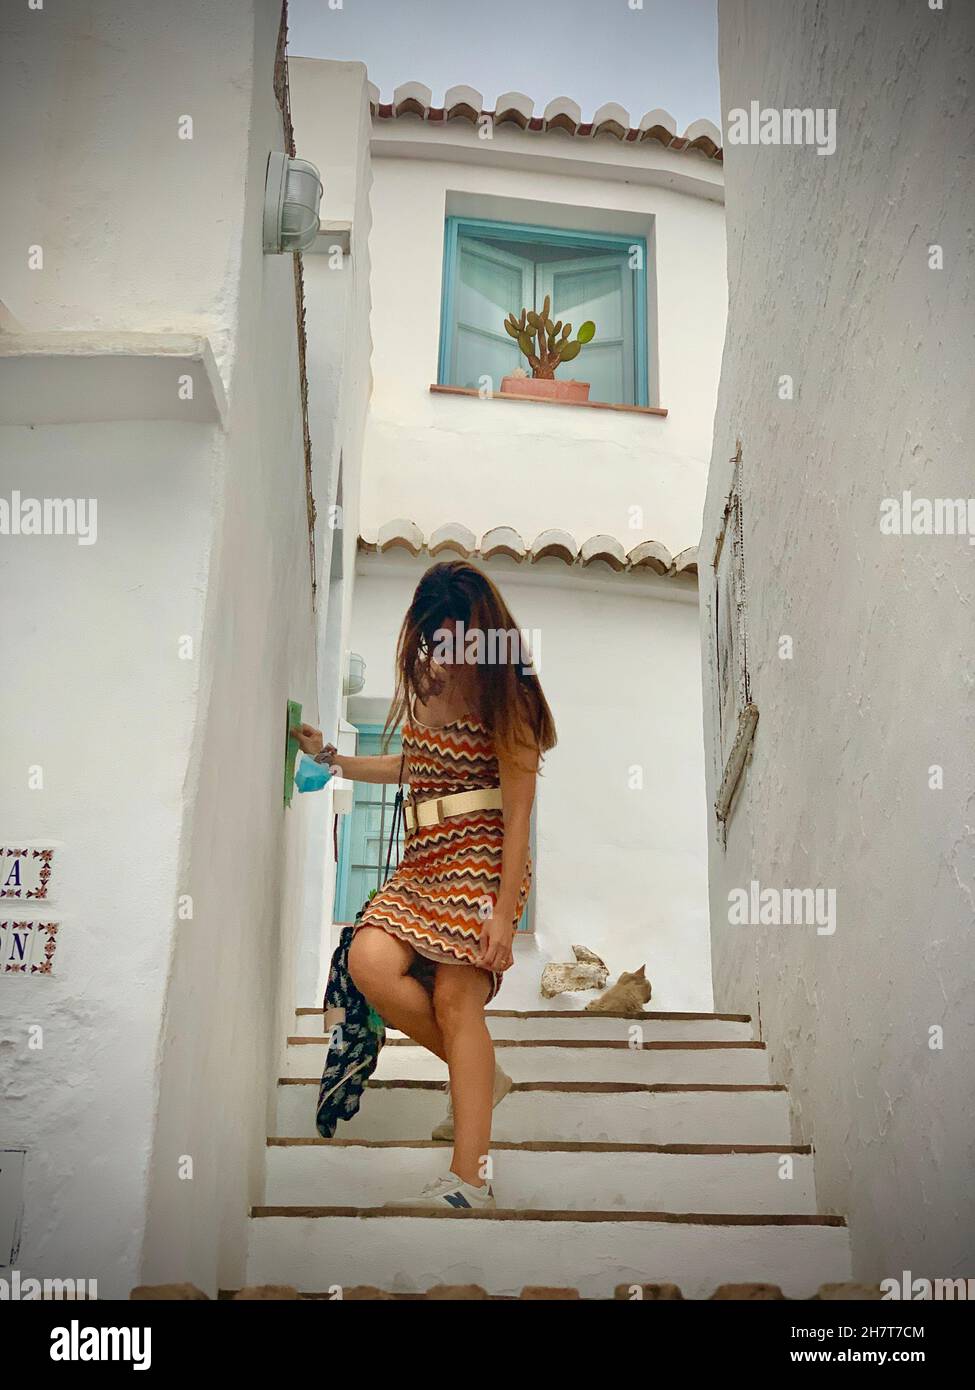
{"x": 735, "y": 727}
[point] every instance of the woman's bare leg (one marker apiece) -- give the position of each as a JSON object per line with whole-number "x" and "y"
{"x": 378, "y": 963}
{"x": 459, "y": 996}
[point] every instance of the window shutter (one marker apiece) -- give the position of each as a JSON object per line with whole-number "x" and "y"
{"x": 490, "y": 284}
{"x": 597, "y": 287}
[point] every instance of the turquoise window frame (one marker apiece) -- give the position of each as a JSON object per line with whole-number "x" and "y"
{"x": 341, "y": 911}
{"x": 454, "y": 227}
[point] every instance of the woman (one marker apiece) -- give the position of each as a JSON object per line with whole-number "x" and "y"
{"x": 432, "y": 946}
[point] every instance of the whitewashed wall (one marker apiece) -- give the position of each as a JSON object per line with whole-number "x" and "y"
{"x": 830, "y": 283}
{"x": 433, "y": 458}
{"x": 619, "y": 869}
{"x": 163, "y": 776}
{"x": 330, "y": 112}
{"x": 93, "y": 693}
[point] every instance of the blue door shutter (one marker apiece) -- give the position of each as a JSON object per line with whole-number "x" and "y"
{"x": 490, "y": 284}
{"x": 596, "y": 287}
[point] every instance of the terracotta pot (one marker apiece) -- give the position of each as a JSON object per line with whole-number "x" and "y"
{"x": 546, "y": 389}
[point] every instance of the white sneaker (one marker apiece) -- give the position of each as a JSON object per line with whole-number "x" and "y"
{"x": 451, "y": 1192}
{"x": 502, "y": 1085}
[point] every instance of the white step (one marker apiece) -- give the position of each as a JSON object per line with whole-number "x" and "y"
{"x": 553, "y": 1111}
{"x": 345, "y": 1173}
{"x": 504, "y": 1253}
{"x": 738, "y": 1063}
{"x": 552, "y": 1023}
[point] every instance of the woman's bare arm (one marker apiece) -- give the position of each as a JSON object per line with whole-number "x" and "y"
{"x": 384, "y": 768}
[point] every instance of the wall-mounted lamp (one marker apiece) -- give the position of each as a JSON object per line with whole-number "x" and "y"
{"x": 292, "y": 197}
{"x": 355, "y": 674}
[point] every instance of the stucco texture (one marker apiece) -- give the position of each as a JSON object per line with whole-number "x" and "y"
{"x": 830, "y": 284}
{"x": 163, "y": 761}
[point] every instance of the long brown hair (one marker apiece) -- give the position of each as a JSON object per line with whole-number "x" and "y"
{"x": 504, "y": 695}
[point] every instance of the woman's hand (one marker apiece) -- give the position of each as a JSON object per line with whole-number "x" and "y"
{"x": 310, "y": 739}
{"x": 496, "y": 943}
{"x": 517, "y": 794}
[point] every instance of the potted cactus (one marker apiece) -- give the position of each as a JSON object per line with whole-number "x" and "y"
{"x": 546, "y": 345}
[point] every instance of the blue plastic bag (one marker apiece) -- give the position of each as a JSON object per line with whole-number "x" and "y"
{"x": 311, "y": 776}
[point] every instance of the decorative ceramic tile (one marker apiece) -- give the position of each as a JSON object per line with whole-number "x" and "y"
{"x": 27, "y": 870}
{"x": 27, "y": 948}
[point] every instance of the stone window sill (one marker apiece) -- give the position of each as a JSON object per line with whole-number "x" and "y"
{"x": 545, "y": 400}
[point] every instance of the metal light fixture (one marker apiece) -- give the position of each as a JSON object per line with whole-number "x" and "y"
{"x": 292, "y": 196}
{"x": 355, "y": 674}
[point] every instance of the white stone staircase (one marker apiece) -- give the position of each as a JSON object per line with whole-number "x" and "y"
{"x": 670, "y": 1162}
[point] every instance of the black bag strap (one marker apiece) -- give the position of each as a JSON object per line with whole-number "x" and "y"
{"x": 398, "y": 814}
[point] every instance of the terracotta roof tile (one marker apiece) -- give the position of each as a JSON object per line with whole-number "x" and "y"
{"x": 457, "y": 539}
{"x": 562, "y": 113}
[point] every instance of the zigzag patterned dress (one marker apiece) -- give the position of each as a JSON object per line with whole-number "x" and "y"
{"x": 436, "y": 900}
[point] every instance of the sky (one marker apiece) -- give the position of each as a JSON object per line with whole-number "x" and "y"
{"x": 658, "y": 53}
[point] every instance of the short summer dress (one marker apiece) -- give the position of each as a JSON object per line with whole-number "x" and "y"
{"x": 436, "y": 899}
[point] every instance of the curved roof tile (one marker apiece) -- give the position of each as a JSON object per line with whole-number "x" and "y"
{"x": 650, "y": 555}
{"x": 412, "y": 98}
{"x": 514, "y": 107}
{"x": 455, "y": 537}
{"x": 551, "y": 544}
{"x": 606, "y": 548}
{"x": 660, "y": 120}
{"x": 503, "y": 540}
{"x": 611, "y": 119}
{"x": 562, "y": 113}
{"x": 554, "y": 543}
{"x": 400, "y": 533}
{"x": 463, "y": 101}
